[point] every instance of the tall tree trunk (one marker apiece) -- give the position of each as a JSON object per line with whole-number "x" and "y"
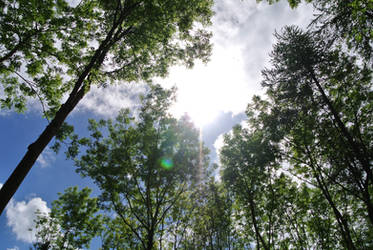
{"x": 361, "y": 153}
{"x": 150, "y": 240}
{"x": 256, "y": 228}
{"x": 342, "y": 222}
{"x": 359, "y": 150}
{"x": 35, "y": 149}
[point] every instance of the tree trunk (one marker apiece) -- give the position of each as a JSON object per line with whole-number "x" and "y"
{"x": 342, "y": 222}
{"x": 150, "y": 241}
{"x": 35, "y": 149}
{"x": 343, "y": 225}
{"x": 361, "y": 153}
{"x": 258, "y": 236}
{"x": 359, "y": 150}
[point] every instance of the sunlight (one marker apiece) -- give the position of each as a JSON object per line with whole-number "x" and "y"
{"x": 201, "y": 110}
{"x": 198, "y": 102}
{"x": 205, "y": 92}
{"x": 200, "y": 167}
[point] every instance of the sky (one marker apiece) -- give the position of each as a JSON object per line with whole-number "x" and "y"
{"x": 214, "y": 95}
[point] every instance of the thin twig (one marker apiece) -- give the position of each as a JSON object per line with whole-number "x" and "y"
{"x": 29, "y": 83}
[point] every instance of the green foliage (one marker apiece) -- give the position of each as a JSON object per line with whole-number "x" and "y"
{"x": 264, "y": 199}
{"x": 348, "y": 23}
{"x": 343, "y": 23}
{"x": 124, "y": 159}
{"x": 51, "y": 50}
{"x": 210, "y": 223}
{"x": 46, "y": 46}
{"x": 28, "y": 45}
{"x": 143, "y": 203}
{"x": 316, "y": 124}
{"x": 72, "y": 223}
{"x": 298, "y": 175}
{"x": 324, "y": 93}
{"x": 315, "y": 127}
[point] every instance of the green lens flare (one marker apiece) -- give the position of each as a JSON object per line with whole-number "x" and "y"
{"x": 166, "y": 163}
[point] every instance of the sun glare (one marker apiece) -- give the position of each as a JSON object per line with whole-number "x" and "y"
{"x": 206, "y": 91}
{"x": 200, "y": 114}
{"x": 198, "y": 105}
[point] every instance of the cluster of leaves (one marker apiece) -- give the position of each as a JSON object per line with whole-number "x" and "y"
{"x": 210, "y": 224}
{"x": 29, "y": 30}
{"x": 348, "y": 22}
{"x": 72, "y": 222}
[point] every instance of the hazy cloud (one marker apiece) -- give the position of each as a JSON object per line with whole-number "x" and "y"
{"x": 46, "y": 158}
{"x": 221, "y": 125}
{"x": 109, "y": 100}
{"x": 13, "y": 248}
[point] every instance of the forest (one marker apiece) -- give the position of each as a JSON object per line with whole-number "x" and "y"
{"x": 296, "y": 174}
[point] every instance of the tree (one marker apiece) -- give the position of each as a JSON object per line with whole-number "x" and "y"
{"x": 249, "y": 166}
{"x": 211, "y": 224}
{"x": 311, "y": 83}
{"x": 101, "y": 43}
{"x": 238, "y": 163}
{"x": 315, "y": 126}
{"x": 275, "y": 210}
{"x": 143, "y": 167}
{"x": 317, "y": 120}
{"x": 72, "y": 223}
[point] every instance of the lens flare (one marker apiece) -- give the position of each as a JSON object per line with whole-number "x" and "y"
{"x": 200, "y": 156}
{"x": 167, "y": 163}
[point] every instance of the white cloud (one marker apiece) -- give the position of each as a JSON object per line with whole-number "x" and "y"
{"x": 4, "y": 112}
{"x": 218, "y": 144}
{"x": 46, "y": 158}
{"x": 109, "y": 100}
{"x": 21, "y": 216}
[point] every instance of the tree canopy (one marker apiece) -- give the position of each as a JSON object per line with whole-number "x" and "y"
{"x": 51, "y": 50}
{"x": 145, "y": 167}
{"x": 306, "y": 148}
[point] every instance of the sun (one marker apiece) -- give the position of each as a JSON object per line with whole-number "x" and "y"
{"x": 201, "y": 115}
{"x": 198, "y": 105}
{"x": 210, "y": 89}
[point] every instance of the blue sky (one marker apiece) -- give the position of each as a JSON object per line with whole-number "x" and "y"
{"x": 215, "y": 96}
